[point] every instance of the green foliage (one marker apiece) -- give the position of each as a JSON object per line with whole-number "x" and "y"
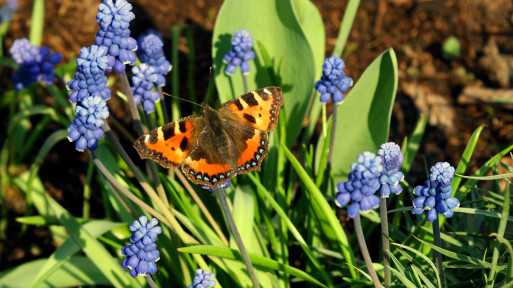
{"x": 286, "y": 215}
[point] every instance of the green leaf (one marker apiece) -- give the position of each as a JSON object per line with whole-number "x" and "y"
{"x": 325, "y": 215}
{"x": 365, "y": 114}
{"x": 101, "y": 258}
{"x": 464, "y": 258}
{"x": 290, "y": 226}
{"x": 407, "y": 283}
{"x": 78, "y": 271}
{"x": 37, "y": 22}
{"x": 275, "y": 24}
{"x": 466, "y": 156}
{"x": 418, "y": 253}
{"x": 413, "y": 144}
{"x": 259, "y": 261}
{"x": 65, "y": 252}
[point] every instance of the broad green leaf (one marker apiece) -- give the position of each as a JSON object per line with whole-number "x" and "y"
{"x": 263, "y": 263}
{"x": 78, "y": 271}
{"x": 275, "y": 24}
{"x": 364, "y": 116}
{"x": 109, "y": 266}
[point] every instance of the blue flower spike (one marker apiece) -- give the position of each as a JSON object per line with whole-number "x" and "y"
{"x": 90, "y": 94}
{"x": 90, "y": 79}
{"x": 435, "y": 195}
{"x": 392, "y": 158}
{"x": 35, "y": 64}
{"x": 203, "y": 279}
{"x": 144, "y": 80}
{"x": 86, "y": 129}
{"x": 362, "y": 184}
{"x": 151, "y": 52}
{"x": 143, "y": 253}
{"x": 333, "y": 80}
{"x": 7, "y": 10}
{"x": 240, "y": 54}
{"x": 114, "y": 20}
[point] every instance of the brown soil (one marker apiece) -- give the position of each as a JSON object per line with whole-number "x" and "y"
{"x": 416, "y": 30}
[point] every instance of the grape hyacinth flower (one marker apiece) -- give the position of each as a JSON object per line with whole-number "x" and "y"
{"x": 240, "y": 54}
{"x": 150, "y": 52}
{"x": 90, "y": 79}
{"x": 436, "y": 193}
{"x": 114, "y": 20}
{"x": 392, "y": 158}
{"x": 143, "y": 81}
{"x": 7, "y": 10}
{"x": 333, "y": 80}
{"x": 36, "y": 64}
{"x": 361, "y": 186}
{"x": 86, "y": 129}
{"x": 203, "y": 279}
{"x": 143, "y": 253}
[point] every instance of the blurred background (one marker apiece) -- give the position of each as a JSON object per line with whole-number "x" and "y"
{"x": 455, "y": 64}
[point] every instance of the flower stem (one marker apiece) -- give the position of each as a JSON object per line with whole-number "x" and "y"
{"x": 202, "y": 206}
{"x": 150, "y": 281}
{"x": 245, "y": 82}
{"x": 238, "y": 239}
{"x": 140, "y": 131}
{"x": 148, "y": 119}
{"x": 136, "y": 118}
{"x": 365, "y": 251}
{"x": 163, "y": 104}
{"x": 385, "y": 242}
{"x": 86, "y": 206}
{"x": 438, "y": 256}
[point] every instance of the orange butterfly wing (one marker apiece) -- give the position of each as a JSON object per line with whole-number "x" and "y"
{"x": 258, "y": 109}
{"x": 253, "y": 115}
{"x": 168, "y": 145}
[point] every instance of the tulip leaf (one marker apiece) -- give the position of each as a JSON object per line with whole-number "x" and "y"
{"x": 364, "y": 116}
{"x": 276, "y": 25}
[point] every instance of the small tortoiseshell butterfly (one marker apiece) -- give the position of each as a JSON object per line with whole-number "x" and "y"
{"x": 214, "y": 147}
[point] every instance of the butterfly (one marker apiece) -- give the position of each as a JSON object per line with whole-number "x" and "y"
{"x": 214, "y": 147}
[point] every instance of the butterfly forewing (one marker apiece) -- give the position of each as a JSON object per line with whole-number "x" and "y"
{"x": 168, "y": 145}
{"x": 258, "y": 109}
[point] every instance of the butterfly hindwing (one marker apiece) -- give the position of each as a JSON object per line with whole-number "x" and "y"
{"x": 169, "y": 144}
{"x": 252, "y": 152}
{"x": 258, "y": 109}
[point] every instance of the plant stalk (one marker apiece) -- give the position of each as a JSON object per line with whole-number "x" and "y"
{"x": 236, "y": 235}
{"x": 365, "y": 251}
{"x": 385, "y": 241}
{"x": 438, "y": 256}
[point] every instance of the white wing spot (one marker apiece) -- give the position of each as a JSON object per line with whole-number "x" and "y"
{"x": 146, "y": 138}
{"x": 267, "y": 91}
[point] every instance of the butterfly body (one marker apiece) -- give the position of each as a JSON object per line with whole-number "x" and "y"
{"x": 212, "y": 148}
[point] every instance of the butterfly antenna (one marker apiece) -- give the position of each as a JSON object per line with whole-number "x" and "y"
{"x": 183, "y": 99}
